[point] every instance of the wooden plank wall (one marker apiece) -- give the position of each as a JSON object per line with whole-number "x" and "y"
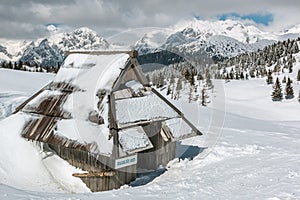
{"x": 96, "y": 163}
{"x": 162, "y": 152}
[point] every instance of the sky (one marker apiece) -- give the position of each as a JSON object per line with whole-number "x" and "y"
{"x": 28, "y": 19}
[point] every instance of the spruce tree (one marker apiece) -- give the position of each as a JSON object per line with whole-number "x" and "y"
{"x": 179, "y": 84}
{"x": 169, "y": 90}
{"x": 208, "y": 79}
{"x": 242, "y": 76}
{"x": 204, "y": 96}
{"x": 172, "y": 81}
{"x": 284, "y": 80}
{"x": 269, "y": 78}
{"x": 186, "y": 74}
{"x": 178, "y": 88}
{"x": 277, "y": 92}
{"x": 289, "y": 92}
{"x": 231, "y": 74}
{"x": 192, "y": 79}
{"x": 290, "y": 66}
{"x": 199, "y": 76}
{"x": 298, "y": 75}
{"x": 161, "y": 81}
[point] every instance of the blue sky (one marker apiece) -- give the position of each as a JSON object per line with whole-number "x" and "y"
{"x": 264, "y": 19}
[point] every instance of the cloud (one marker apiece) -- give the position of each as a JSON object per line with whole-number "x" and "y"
{"x": 27, "y": 19}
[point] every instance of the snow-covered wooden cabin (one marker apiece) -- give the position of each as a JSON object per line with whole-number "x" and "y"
{"x": 101, "y": 115}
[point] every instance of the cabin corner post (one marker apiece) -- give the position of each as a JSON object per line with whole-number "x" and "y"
{"x": 113, "y": 126}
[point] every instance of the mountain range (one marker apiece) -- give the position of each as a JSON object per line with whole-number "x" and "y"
{"x": 219, "y": 39}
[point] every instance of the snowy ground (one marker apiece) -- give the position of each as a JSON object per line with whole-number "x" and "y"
{"x": 255, "y": 156}
{"x": 16, "y": 86}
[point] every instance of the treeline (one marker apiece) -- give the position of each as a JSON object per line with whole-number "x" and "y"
{"x": 182, "y": 78}
{"x": 270, "y": 62}
{"x": 258, "y": 63}
{"x": 26, "y": 66}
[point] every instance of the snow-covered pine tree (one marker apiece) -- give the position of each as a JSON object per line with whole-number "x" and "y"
{"x": 192, "y": 79}
{"x": 208, "y": 79}
{"x": 204, "y": 96}
{"x": 161, "y": 80}
{"x": 148, "y": 77}
{"x": 169, "y": 90}
{"x": 277, "y": 92}
{"x": 269, "y": 77}
{"x": 242, "y": 76}
{"x": 178, "y": 88}
{"x": 172, "y": 82}
{"x": 289, "y": 92}
{"x": 199, "y": 76}
{"x": 290, "y": 66}
{"x": 284, "y": 80}
{"x": 231, "y": 74}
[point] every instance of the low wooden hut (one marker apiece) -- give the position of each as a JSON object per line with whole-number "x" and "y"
{"x": 101, "y": 115}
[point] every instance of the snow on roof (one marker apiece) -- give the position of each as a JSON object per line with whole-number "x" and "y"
{"x": 178, "y": 128}
{"x": 136, "y": 86}
{"x": 89, "y": 73}
{"x": 86, "y": 133}
{"x": 144, "y": 108}
{"x": 43, "y": 95}
{"x": 133, "y": 139}
{"x": 86, "y": 70}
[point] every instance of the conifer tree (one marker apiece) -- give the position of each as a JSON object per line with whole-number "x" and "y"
{"x": 290, "y": 66}
{"x": 242, "y": 76}
{"x": 247, "y": 76}
{"x": 148, "y": 77}
{"x": 289, "y": 92}
{"x": 298, "y": 75}
{"x": 199, "y": 76}
{"x": 169, "y": 90}
{"x": 179, "y": 84}
{"x": 277, "y": 92}
{"x": 192, "y": 79}
{"x": 161, "y": 81}
{"x": 187, "y": 74}
{"x": 204, "y": 96}
{"x": 284, "y": 80}
{"x": 172, "y": 81}
{"x": 10, "y": 65}
{"x": 231, "y": 74}
{"x": 269, "y": 78}
{"x": 178, "y": 88}
{"x": 208, "y": 79}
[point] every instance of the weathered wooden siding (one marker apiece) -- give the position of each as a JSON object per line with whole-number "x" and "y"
{"x": 96, "y": 163}
{"x": 162, "y": 152}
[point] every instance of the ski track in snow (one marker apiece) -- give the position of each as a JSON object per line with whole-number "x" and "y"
{"x": 254, "y": 158}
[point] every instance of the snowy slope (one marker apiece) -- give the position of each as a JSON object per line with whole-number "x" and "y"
{"x": 255, "y": 156}
{"x": 16, "y": 86}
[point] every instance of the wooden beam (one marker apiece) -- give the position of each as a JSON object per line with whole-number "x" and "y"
{"x": 176, "y": 110}
{"x": 20, "y": 107}
{"x": 93, "y": 174}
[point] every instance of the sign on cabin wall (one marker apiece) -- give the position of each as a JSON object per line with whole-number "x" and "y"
{"x": 125, "y": 162}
